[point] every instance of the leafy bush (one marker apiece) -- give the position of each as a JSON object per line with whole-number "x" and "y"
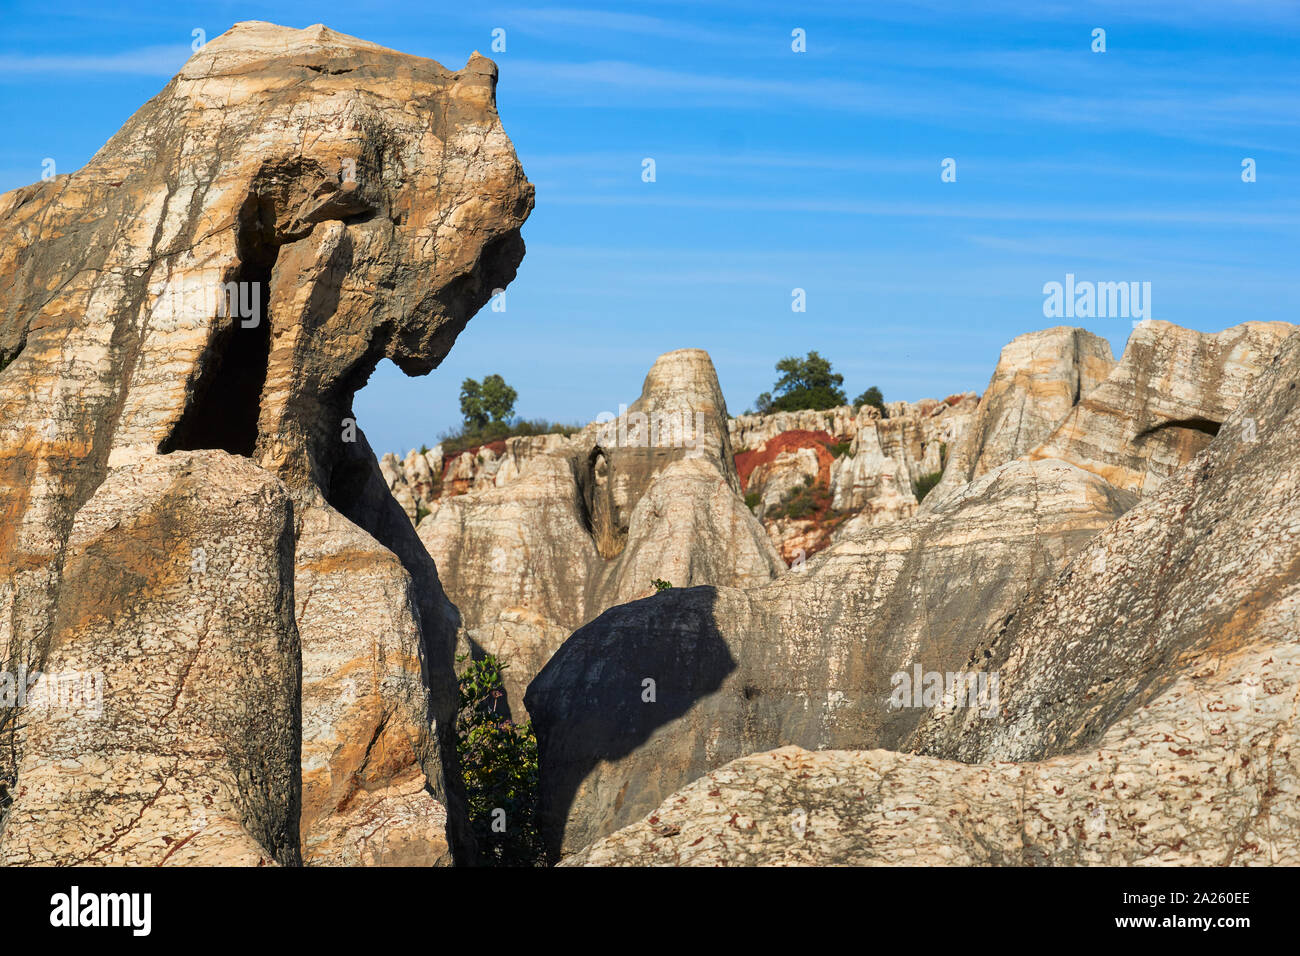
{"x": 498, "y": 759}
{"x": 660, "y": 585}
{"x": 460, "y": 439}
{"x": 839, "y": 448}
{"x": 806, "y": 383}
{"x": 925, "y": 484}
{"x": 800, "y": 501}
{"x": 752, "y": 498}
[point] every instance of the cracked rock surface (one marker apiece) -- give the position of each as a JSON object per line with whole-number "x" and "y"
{"x": 1146, "y": 715}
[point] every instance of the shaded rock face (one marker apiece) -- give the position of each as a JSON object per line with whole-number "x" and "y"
{"x": 1163, "y": 402}
{"x": 589, "y": 521}
{"x": 1039, "y": 377}
{"x": 810, "y": 659}
{"x": 1147, "y": 704}
{"x": 224, "y": 274}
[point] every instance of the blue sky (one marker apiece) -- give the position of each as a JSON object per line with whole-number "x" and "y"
{"x": 778, "y": 170}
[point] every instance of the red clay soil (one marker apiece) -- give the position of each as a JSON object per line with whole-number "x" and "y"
{"x": 766, "y": 453}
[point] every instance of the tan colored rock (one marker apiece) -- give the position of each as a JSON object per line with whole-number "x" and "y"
{"x": 808, "y": 659}
{"x": 164, "y": 729}
{"x": 341, "y": 169}
{"x": 748, "y": 432}
{"x": 1163, "y": 402}
{"x": 1039, "y": 377}
{"x": 590, "y": 520}
{"x": 1150, "y": 692}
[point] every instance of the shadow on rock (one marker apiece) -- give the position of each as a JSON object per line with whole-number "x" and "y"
{"x": 611, "y": 689}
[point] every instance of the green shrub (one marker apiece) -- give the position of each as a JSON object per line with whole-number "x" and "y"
{"x": 460, "y": 439}
{"x": 498, "y": 759}
{"x": 872, "y": 397}
{"x": 798, "y": 502}
{"x": 752, "y": 498}
{"x": 660, "y": 585}
{"x": 839, "y": 448}
{"x": 925, "y": 484}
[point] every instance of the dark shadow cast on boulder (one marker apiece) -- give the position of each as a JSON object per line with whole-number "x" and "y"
{"x": 613, "y": 685}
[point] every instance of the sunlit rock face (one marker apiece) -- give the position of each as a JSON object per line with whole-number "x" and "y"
{"x": 224, "y": 274}
{"x": 573, "y": 525}
{"x": 1146, "y": 713}
{"x": 1132, "y": 653}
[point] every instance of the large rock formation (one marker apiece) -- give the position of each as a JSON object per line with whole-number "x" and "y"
{"x": 809, "y": 659}
{"x": 224, "y": 274}
{"x": 1163, "y": 402}
{"x": 1039, "y": 377}
{"x": 1150, "y": 691}
{"x": 590, "y": 521}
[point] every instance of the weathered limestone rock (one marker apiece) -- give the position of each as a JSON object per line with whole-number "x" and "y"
{"x": 224, "y": 274}
{"x": 175, "y": 739}
{"x": 1163, "y": 402}
{"x": 1039, "y": 377}
{"x": 1203, "y": 569}
{"x": 871, "y": 480}
{"x": 748, "y": 432}
{"x": 872, "y": 483}
{"x": 1150, "y": 689}
{"x": 793, "y": 467}
{"x": 809, "y": 659}
{"x": 590, "y": 520}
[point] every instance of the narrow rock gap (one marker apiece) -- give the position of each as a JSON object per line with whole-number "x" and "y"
{"x": 226, "y": 401}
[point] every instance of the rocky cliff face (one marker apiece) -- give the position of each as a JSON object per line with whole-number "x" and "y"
{"x": 1039, "y": 378}
{"x": 535, "y": 536}
{"x": 808, "y": 659}
{"x": 590, "y": 521}
{"x": 1147, "y": 704}
{"x": 206, "y": 287}
{"x": 1163, "y": 402}
{"x": 864, "y": 650}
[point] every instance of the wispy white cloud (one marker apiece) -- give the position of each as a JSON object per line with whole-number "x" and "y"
{"x": 598, "y": 22}
{"x": 1113, "y": 213}
{"x": 144, "y": 61}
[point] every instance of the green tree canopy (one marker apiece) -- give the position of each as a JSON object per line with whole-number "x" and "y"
{"x": 804, "y": 383}
{"x": 871, "y": 396}
{"x": 491, "y": 400}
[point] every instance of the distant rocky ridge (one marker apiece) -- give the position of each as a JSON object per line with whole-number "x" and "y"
{"x": 528, "y": 553}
